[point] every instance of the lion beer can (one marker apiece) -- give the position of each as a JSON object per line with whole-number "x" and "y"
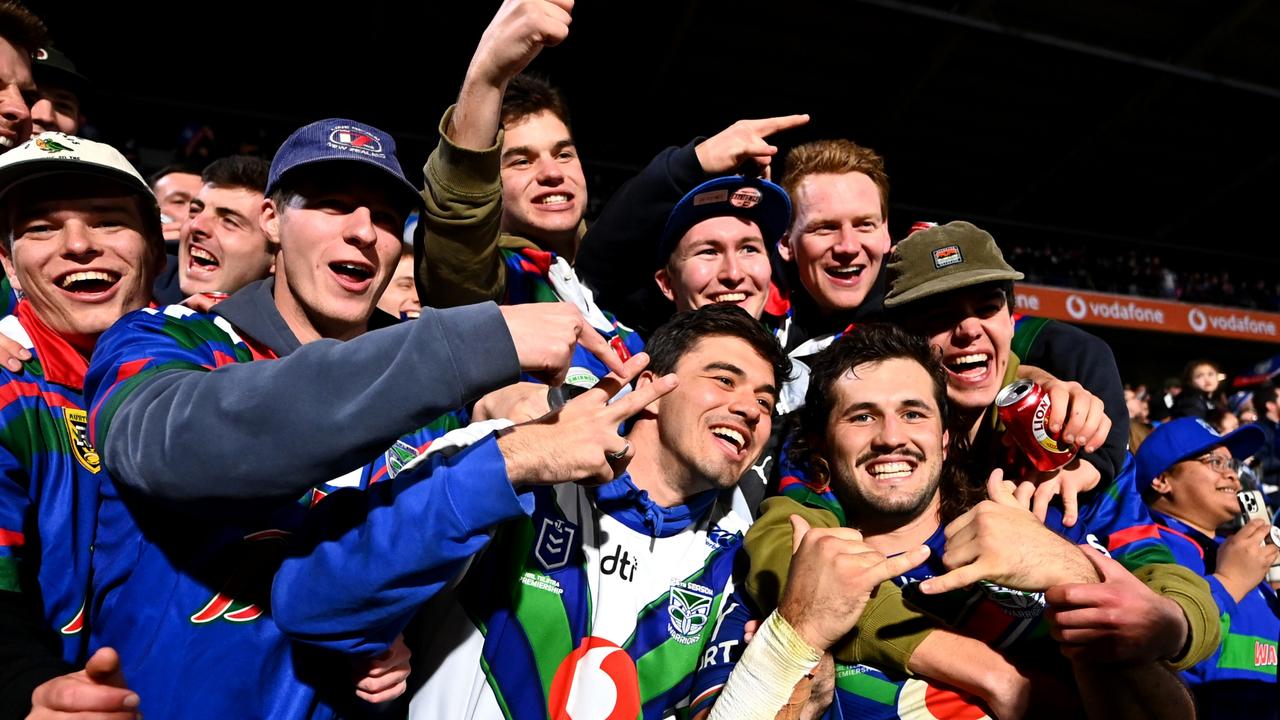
{"x": 1023, "y": 407}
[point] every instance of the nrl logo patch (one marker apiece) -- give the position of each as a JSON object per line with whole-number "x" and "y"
{"x": 78, "y": 431}
{"x": 555, "y": 543}
{"x": 1018, "y": 603}
{"x": 688, "y": 609}
{"x": 397, "y": 456}
{"x": 946, "y": 256}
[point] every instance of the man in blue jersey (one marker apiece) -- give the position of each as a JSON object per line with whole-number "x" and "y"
{"x": 81, "y": 233}
{"x": 600, "y": 603}
{"x": 1188, "y": 473}
{"x": 877, "y": 426}
{"x": 224, "y": 432}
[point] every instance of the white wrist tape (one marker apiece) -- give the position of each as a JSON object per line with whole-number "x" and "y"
{"x": 775, "y": 660}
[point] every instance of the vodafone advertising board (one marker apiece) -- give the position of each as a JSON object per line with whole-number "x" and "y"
{"x": 1126, "y": 311}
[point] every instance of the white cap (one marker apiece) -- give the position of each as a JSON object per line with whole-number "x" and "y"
{"x": 53, "y": 153}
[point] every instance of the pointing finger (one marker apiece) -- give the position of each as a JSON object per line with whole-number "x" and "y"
{"x": 768, "y": 126}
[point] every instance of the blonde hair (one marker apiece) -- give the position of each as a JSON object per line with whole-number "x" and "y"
{"x": 835, "y": 157}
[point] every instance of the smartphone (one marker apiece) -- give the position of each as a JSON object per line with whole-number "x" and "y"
{"x": 1253, "y": 506}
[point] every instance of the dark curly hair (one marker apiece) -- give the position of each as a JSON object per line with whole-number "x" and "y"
{"x": 876, "y": 343}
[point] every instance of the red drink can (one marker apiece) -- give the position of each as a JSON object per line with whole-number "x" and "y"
{"x": 216, "y": 296}
{"x": 1023, "y": 407}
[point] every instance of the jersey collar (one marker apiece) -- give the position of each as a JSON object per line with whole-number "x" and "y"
{"x": 633, "y": 507}
{"x": 60, "y": 360}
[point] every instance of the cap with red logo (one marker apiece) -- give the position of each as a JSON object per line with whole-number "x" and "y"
{"x": 943, "y": 258}
{"x": 339, "y": 140}
{"x": 754, "y": 199}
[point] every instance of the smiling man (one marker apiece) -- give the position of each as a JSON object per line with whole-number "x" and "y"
{"x": 838, "y": 236}
{"x": 214, "y": 426}
{"x": 601, "y": 602}
{"x": 877, "y": 425}
{"x": 222, "y": 246}
{"x": 1189, "y": 476}
{"x": 81, "y": 233}
{"x": 714, "y": 248}
{"x": 505, "y": 190}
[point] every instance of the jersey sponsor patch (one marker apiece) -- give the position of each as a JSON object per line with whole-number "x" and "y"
{"x": 78, "y": 431}
{"x": 921, "y": 701}
{"x": 581, "y": 377}
{"x": 397, "y": 456}
{"x": 555, "y": 543}
{"x": 688, "y": 609}
{"x": 597, "y": 680}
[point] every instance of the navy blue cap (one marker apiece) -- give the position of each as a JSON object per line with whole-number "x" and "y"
{"x": 339, "y": 140}
{"x": 754, "y": 199}
{"x": 1185, "y": 438}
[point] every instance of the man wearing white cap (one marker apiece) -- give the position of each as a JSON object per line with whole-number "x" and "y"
{"x": 81, "y": 233}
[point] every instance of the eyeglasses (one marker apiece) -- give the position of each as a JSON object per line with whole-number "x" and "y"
{"x": 1220, "y": 464}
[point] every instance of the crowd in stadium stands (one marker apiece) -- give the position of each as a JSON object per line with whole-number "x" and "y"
{"x": 1147, "y": 273}
{"x": 284, "y": 435}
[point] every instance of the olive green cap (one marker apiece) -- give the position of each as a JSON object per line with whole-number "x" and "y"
{"x": 943, "y": 258}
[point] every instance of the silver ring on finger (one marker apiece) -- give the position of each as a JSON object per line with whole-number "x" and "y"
{"x": 621, "y": 453}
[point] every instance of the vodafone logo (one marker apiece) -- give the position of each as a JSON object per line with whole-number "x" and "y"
{"x": 921, "y": 701}
{"x": 597, "y": 681}
{"x": 1197, "y": 320}
{"x": 1076, "y": 307}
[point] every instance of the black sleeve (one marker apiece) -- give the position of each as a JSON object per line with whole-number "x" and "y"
{"x": 1069, "y": 353}
{"x": 29, "y": 654}
{"x": 618, "y": 255}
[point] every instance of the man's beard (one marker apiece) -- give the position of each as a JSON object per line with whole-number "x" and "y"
{"x": 888, "y": 512}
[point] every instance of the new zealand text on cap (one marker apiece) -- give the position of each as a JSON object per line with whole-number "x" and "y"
{"x": 940, "y": 259}
{"x": 339, "y": 140}
{"x": 754, "y": 199}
